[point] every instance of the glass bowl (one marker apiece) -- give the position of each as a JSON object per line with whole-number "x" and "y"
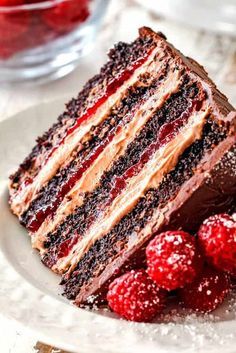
{"x": 44, "y": 40}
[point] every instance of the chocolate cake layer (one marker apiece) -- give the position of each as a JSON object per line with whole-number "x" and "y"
{"x": 61, "y": 240}
{"x": 122, "y": 59}
{"x": 167, "y": 83}
{"x": 50, "y": 196}
{"x": 208, "y": 199}
{"x": 146, "y": 146}
{"x": 115, "y": 245}
{"x": 42, "y": 165}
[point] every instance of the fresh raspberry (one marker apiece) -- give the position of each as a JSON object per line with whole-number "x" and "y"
{"x": 34, "y": 1}
{"x": 207, "y": 292}
{"x": 7, "y": 50}
{"x": 173, "y": 259}
{"x": 39, "y": 34}
{"x": 64, "y": 16}
{"x": 10, "y": 48}
{"x": 136, "y": 297}
{"x": 11, "y": 2}
{"x": 217, "y": 238}
{"x": 13, "y": 25}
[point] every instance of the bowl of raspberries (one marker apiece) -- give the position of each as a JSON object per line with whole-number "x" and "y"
{"x": 41, "y": 39}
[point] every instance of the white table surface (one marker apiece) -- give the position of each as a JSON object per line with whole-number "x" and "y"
{"x": 216, "y": 52}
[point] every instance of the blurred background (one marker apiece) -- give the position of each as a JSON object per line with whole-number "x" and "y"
{"x": 54, "y": 64}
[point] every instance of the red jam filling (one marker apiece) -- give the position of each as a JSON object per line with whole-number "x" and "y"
{"x": 41, "y": 215}
{"x": 38, "y": 218}
{"x": 111, "y": 88}
{"x": 65, "y": 247}
{"x": 166, "y": 133}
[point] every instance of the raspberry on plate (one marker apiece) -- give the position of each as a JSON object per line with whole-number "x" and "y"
{"x": 65, "y": 15}
{"x": 217, "y": 238}
{"x": 173, "y": 259}
{"x": 207, "y": 292}
{"x": 136, "y": 297}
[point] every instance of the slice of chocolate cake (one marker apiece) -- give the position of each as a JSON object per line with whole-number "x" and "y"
{"x": 148, "y": 144}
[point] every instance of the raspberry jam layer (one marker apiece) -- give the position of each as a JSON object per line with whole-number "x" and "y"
{"x": 40, "y": 215}
{"x": 111, "y": 88}
{"x": 105, "y": 250}
{"x": 165, "y": 134}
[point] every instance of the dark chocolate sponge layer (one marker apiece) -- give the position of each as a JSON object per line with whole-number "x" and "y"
{"x": 197, "y": 180}
{"x": 121, "y": 57}
{"x": 91, "y": 209}
{"x": 114, "y": 243}
{"x": 118, "y": 116}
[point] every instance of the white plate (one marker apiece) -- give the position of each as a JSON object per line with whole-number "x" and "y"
{"x": 30, "y": 294}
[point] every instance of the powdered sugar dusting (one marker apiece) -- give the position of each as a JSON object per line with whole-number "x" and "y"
{"x": 173, "y": 259}
{"x": 186, "y": 331}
